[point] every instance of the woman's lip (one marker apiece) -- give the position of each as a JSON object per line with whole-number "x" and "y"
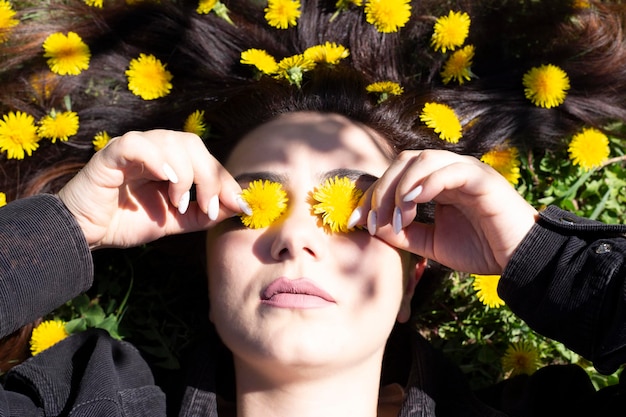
{"x": 295, "y": 293}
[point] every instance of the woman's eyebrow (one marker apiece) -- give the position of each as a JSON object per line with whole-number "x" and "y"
{"x": 362, "y": 178}
{"x": 248, "y": 177}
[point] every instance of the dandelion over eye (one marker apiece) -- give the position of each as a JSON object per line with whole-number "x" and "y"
{"x": 282, "y": 14}
{"x": 387, "y": 15}
{"x": 260, "y": 59}
{"x": 486, "y": 287}
{"x": 442, "y": 119}
{"x": 506, "y": 161}
{"x": 3, "y": 199}
{"x": 67, "y": 54}
{"x": 148, "y": 77}
{"x": 589, "y": 148}
{"x": 267, "y": 200}
{"x": 18, "y": 135}
{"x": 58, "y": 125}
{"x": 546, "y": 86}
{"x": 47, "y": 334}
{"x": 520, "y": 358}
{"x": 450, "y": 31}
{"x": 335, "y": 201}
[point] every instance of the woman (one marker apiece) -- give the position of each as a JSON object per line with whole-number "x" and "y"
{"x": 137, "y": 190}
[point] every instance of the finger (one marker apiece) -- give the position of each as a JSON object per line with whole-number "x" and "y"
{"x": 383, "y": 197}
{"x": 216, "y": 190}
{"x": 360, "y": 213}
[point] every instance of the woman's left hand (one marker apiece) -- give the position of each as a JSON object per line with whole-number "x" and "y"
{"x": 479, "y": 217}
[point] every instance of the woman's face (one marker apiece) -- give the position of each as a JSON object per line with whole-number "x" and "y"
{"x": 292, "y": 293}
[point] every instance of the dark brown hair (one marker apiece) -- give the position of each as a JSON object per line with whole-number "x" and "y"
{"x": 203, "y": 53}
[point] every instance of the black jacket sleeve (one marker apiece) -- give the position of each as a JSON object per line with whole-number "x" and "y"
{"x": 567, "y": 280}
{"x": 44, "y": 260}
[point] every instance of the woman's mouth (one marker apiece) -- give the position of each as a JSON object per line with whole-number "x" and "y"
{"x": 300, "y": 293}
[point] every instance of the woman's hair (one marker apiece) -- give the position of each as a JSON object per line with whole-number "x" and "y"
{"x": 203, "y": 52}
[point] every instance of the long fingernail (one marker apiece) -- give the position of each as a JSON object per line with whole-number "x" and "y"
{"x": 243, "y": 206}
{"x": 183, "y": 204}
{"x": 413, "y": 194}
{"x": 355, "y": 217}
{"x": 214, "y": 207}
{"x": 169, "y": 173}
{"x": 371, "y": 222}
{"x": 396, "y": 220}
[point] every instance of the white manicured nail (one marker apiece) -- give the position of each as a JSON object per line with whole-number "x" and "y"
{"x": 214, "y": 207}
{"x": 355, "y": 217}
{"x": 371, "y": 222}
{"x": 396, "y": 221}
{"x": 183, "y": 204}
{"x": 243, "y": 206}
{"x": 169, "y": 173}
{"x": 413, "y": 194}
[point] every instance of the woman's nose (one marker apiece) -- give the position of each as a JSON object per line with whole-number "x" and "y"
{"x": 298, "y": 233}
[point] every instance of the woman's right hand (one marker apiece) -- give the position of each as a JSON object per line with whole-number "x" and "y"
{"x": 136, "y": 189}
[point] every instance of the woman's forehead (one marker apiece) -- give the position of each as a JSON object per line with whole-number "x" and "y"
{"x": 327, "y": 139}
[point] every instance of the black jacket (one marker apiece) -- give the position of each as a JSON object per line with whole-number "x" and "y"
{"x": 45, "y": 261}
{"x": 567, "y": 280}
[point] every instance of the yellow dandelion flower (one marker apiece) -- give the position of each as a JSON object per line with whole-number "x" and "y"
{"x": 450, "y": 31}
{"x": 267, "y": 200}
{"x": 442, "y": 119}
{"x": 46, "y": 334}
{"x": 7, "y": 19}
{"x": 195, "y": 123}
{"x": 67, "y": 54}
{"x": 385, "y": 89}
{"x": 148, "y": 78}
{"x": 329, "y": 53}
{"x": 582, "y": 4}
{"x": 486, "y": 287}
{"x": 335, "y": 200}
{"x": 3, "y": 199}
{"x": 282, "y": 13}
{"x": 58, "y": 126}
{"x": 205, "y": 6}
{"x": 43, "y": 83}
{"x": 506, "y": 161}
{"x": 94, "y": 3}
{"x": 387, "y": 15}
{"x": 589, "y": 148}
{"x": 293, "y": 68}
{"x": 100, "y": 140}
{"x": 520, "y": 358}
{"x": 546, "y": 86}
{"x": 263, "y": 61}
{"x": 344, "y": 4}
{"x": 458, "y": 66}
{"x": 215, "y": 6}
{"x": 18, "y": 135}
